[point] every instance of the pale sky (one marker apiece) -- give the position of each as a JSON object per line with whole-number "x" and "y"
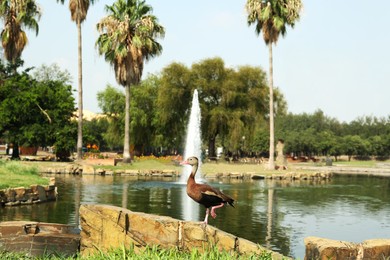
{"x": 337, "y": 58}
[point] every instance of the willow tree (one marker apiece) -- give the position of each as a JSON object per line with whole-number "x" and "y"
{"x": 16, "y": 15}
{"x": 128, "y": 38}
{"x": 271, "y": 18}
{"x": 78, "y": 13}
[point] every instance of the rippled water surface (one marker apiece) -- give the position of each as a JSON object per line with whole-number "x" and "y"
{"x": 278, "y": 215}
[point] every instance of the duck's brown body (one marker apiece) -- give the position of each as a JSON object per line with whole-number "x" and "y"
{"x": 204, "y": 194}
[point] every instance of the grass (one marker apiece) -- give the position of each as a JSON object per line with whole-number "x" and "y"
{"x": 15, "y": 174}
{"x": 356, "y": 163}
{"x": 153, "y": 252}
{"x": 208, "y": 169}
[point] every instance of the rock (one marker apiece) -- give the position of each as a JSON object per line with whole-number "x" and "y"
{"x": 88, "y": 169}
{"x": 132, "y": 172}
{"x": 104, "y": 227}
{"x": 376, "y": 249}
{"x": 39, "y": 239}
{"x": 41, "y": 193}
{"x": 21, "y": 194}
{"x": 322, "y": 248}
{"x": 52, "y": 181}
{"x": 10, "y": 194}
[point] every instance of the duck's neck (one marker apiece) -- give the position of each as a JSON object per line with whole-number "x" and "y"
{"x": 191, "y": 178}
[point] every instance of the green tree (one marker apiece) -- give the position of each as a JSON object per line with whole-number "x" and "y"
{"x": 144, "y": 125}
{"x": 36, "y": 113}
{"x": 52, "y": 73}
{"x": 16, "y": 16}
{"x": 210, "y": 76}
{"x": 173, "y": 104}
{"x": 78, "y": 10}
{"x": 94, "y": 131}
{"x": 272, "y": 18}
{"x": 226, "y": 96}
{"x": 112, "y": 102}
{"x": 352, "y": 144}
{"x": 127, "y": 38}
{"x": 378, "y": 146}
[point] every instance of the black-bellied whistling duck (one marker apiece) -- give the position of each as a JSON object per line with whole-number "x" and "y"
{"x": 204, "y": 194}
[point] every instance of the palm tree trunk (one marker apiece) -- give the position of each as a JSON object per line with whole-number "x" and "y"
{"x": 126, "y": 146}
{"x": 270, "y": 210}
{"x": 80, "y": 92}
{"x": 271, "y": 163}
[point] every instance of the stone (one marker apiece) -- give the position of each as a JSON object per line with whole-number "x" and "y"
{"x": 132, "y": 172}
{"x": 104, "y": 227}
{"x": 52, "y": 181}
{"x": 376, "y": 249}
{"x": 10, "y": 194}
{"x": 88, "y": 169}
{"x": 39, "y": 239}
{"x": 322, "y": 248}
{"x": 41, "y": 193}
{"x": 20, "y": 194}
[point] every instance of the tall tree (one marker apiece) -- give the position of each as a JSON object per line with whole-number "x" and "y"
{"x": 16, "y": 15}
{"x": 78, "y": 11}
{"x": 37, "y": 112}
{"x": 272, "y": 18}
{"x": 112, "y": 102}
{"x": 173, "y": 104}
{"x": 229, "y": 111}
{"x": 127, "y": 38}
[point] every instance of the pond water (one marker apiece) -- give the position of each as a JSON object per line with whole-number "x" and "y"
{"x": 275, "y": 214}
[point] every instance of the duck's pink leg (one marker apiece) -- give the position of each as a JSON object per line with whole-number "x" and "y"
{"x": 206, "y": 217}
{"x": 214, "y": 208}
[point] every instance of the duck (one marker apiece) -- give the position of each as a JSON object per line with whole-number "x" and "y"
{"x": 211, "y": 198}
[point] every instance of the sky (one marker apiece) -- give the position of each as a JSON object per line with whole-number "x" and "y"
{"x": 336, "y": 58}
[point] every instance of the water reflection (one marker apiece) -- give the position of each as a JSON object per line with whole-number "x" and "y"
{"x": 278, "y": 215}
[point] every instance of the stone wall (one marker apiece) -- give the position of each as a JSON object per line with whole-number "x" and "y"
{"x": 321, "y": 248}
{"x": 33, "y": 194}
{"x": 38, "y": 239}
{"x": 104, "y": 227}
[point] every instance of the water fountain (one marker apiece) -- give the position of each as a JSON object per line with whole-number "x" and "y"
{"x": 193, "y": 139}
{"x": 192, "y": 148}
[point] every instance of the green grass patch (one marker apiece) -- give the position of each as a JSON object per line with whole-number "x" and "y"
{"x": 151, "y": 164}
{"x": 154, "y": 252}
{"x": 356, "y": 163}
{"x": 15, "y": 174}
{"x": 208, "y": 169}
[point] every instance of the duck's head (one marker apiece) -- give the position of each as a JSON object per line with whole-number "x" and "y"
{"x": 190, "y": 161}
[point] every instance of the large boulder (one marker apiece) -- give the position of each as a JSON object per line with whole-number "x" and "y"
{"x": 104, "y": 227}
{"x": 39, "y": 239}
{"x": 322, "y": 248}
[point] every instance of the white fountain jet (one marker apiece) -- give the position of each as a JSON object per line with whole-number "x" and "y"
{"x": 192, "y": 148}
{"x": 193, "y": 141}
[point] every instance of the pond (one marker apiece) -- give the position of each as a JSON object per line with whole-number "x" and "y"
{"x": 275, "y": 214}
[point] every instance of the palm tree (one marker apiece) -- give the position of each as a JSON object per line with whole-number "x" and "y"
{"x": 127, "y": 38}
{"x": 78, "y": 11}
{"x": 17, "y": 14}
{"x": 271, "y": 18}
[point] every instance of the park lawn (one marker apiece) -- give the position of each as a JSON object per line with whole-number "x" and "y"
{"x": 208, "y": 169}
{"x": 15, "y": 174}
{"x": 358, "y": 163}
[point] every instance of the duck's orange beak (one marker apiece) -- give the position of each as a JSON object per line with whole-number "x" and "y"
{"x": 184, "y": 163}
